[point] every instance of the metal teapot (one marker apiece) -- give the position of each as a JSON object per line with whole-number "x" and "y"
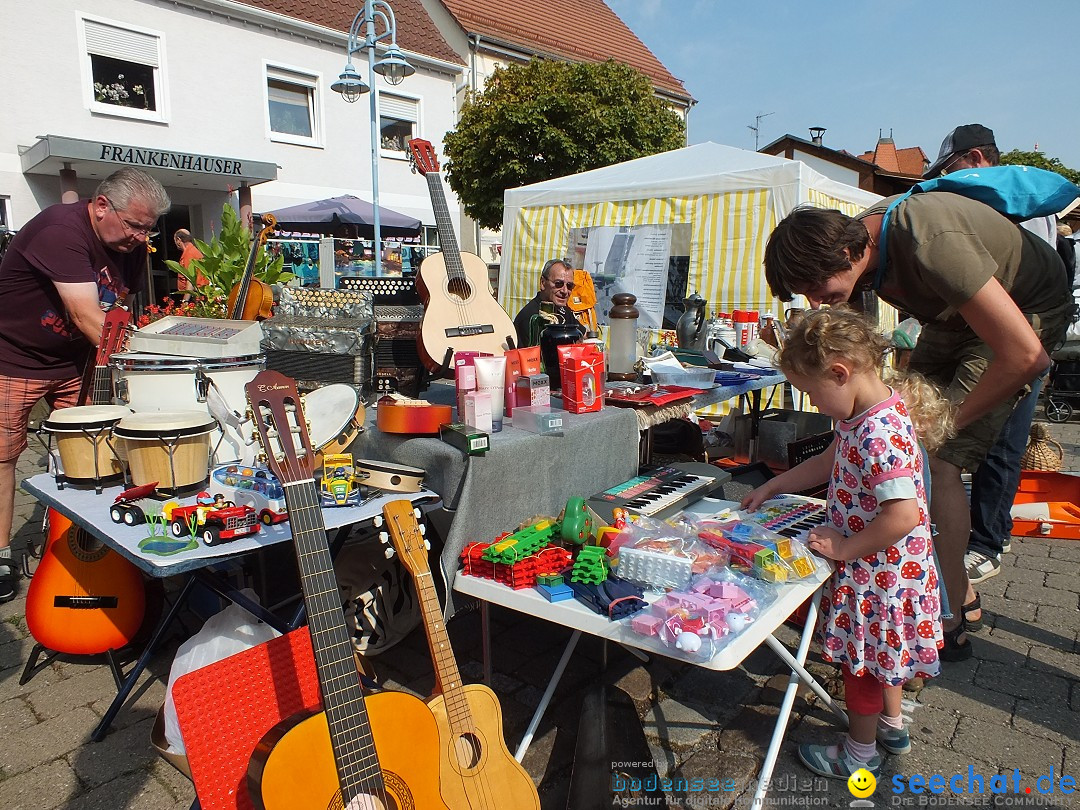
{"x": 691, "y": 331}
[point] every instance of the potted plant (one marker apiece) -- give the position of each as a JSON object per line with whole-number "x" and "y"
{"x": 224, "y": 259}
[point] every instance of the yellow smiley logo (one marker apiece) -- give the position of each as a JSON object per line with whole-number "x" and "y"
{"x": 861, "y": 783}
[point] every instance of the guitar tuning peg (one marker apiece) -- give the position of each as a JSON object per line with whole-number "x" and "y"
{"x": 427, "y": 545}
{"x": 389, "y": 552}
{"x": 423, "y": 529}
{"x": 416, "y": 513}
{"x": 377, "y": 521}
{"x": 384, "y": 538}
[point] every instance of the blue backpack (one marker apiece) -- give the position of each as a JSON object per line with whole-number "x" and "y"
{"x": 1017, "y": 192}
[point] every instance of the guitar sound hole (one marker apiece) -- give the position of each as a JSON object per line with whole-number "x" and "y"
{"x": 84, "y": 546}
{"x": 459, "y": 287}
{"x": 468, "y": 750}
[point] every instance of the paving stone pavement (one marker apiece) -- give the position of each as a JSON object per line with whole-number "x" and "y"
{"x": 1016, "y": 704}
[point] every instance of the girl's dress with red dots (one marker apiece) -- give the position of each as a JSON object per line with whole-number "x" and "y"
{"x": 881, "y": 614}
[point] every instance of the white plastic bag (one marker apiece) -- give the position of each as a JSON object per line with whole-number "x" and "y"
{"x": 226, "y": 633}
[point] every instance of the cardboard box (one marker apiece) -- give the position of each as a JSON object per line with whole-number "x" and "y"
{"x": 785, "y": 437}
{"x": 583, "y": 376}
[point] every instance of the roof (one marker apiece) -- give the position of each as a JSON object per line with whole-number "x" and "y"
{"x": 587, "y": 31}
{"x": 909, "y": 161}
{"x": 841, "y": 157}
{"x": 416, "y": 32}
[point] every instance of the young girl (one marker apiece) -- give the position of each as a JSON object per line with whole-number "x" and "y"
{"x": 880, "y": 613}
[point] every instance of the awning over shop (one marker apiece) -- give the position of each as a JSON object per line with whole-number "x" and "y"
{"x": 98, "y": 159}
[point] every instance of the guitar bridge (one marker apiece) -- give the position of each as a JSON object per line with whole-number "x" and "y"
{"x": 85, "y": 602}
{"x": 470, "y": 330}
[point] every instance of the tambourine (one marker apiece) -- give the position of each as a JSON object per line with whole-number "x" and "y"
{"x": 390, "y": 477}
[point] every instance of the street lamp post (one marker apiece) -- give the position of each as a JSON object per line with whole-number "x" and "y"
{"x": 392, "y": 66}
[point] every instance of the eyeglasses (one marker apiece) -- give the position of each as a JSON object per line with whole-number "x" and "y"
{"x": 558, "y": 284}
{"x": 133, "y": 228}
{"x": 955, "y": 159}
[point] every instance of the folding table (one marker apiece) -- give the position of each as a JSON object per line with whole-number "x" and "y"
{"x": 580, "y": 619}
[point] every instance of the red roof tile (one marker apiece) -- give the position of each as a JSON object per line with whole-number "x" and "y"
{"x": 579, "y": 30}
{"x": 416, "y": 32}
{"x": 911, "y": 160}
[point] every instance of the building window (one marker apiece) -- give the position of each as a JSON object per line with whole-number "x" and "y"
{"x": 291, "y": 106}
{"x": 124, "y": 70}
{"x": 398, "y": 124}
{"x": 5, "y": 214}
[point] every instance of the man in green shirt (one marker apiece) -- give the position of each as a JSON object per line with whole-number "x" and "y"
{"x": 994, "y": 302}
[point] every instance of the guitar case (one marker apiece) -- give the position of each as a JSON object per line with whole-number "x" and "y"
{"x": 610, "y": 732}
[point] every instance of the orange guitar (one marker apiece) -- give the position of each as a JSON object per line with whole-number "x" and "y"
{"x": 460, "y": 313}
{"x": 478, "y": 772}
{"x": 411, "y": 416}
{"x": 378, "y": 753}
{"x": 85, "y": 599}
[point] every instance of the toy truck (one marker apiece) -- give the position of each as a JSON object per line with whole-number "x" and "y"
{"x": 216, "y": 521}
{"x": 133, "y": 505}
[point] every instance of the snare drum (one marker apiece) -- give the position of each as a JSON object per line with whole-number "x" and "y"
{"x": 159, "y": 382}
{"x": 82, "y": 439}
{"x": 171, "y": 448}
{"x": 334, "y": 414}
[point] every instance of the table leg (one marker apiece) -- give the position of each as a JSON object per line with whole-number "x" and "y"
{"x": 538, "y": 715}
{"x": 98, "y": 734}
{"x": 485, "y": 636}
{"x": 798, "y": 672}
{"x": 755, "y": 419}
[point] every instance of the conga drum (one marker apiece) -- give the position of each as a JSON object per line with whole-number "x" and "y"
{"x": 171, "y": 448}
{"x": 82, "y": 440}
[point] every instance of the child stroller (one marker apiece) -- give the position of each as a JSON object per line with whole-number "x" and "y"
{"x": 1062, "y": 390}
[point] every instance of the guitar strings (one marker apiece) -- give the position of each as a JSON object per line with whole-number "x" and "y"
{"x": 454, "y": 698}
{"x": 442, "y": 213}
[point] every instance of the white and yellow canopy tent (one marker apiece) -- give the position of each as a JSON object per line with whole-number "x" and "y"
{"x": 730, "y": 198}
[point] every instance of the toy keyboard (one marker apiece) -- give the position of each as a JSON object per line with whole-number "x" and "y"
{"x": 660, "y": 492}
{"x": 790, "y": 515}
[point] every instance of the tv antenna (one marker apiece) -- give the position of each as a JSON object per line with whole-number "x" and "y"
{"x": 756, "y": 127}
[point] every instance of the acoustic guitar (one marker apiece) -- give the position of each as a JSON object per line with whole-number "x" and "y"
{"x": 84, "y": 598}
{"x": 374, "y": 753}
{"x": 460, "y": 313}
{"x": 251, "y": 299}
{"x": 478, "y": 771}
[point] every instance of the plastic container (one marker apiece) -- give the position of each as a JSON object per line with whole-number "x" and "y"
{"x": 687, "y": 377}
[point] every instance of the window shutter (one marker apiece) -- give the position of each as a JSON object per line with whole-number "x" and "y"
{"x": 403, "y": 109}
{"x": 120, "y": 43}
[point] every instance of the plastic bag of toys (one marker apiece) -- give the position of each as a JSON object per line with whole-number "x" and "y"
{"x": 753, "y": 548}
{"x": 657, "y": 555}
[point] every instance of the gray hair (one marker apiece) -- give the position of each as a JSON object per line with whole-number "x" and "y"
{"x": 546, "y": 272}
{"x": 125, "y": 185}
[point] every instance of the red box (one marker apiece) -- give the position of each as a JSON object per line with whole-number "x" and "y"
{"x": 583, "y": 375}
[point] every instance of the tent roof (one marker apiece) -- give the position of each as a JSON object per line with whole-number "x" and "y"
{"x": 705, "y": 168}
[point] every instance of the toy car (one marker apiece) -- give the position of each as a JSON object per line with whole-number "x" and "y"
{"x": 340, "y": 485}
{"x": 133, "y": 505}
{"x": 215, "y": 519}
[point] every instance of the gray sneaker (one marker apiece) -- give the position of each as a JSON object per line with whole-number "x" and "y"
{"x": 981, "y": 566}
{"x": 1006, "y": 545}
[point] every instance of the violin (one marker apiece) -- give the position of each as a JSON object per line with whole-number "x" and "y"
{"x": 250, "y": 298}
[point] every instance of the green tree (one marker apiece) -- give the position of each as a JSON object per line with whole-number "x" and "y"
{"x": 1040, "y": 161}
{"x": 547, "y": 119}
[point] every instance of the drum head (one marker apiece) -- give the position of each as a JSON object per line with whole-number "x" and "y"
{"x": 84, "y": 416}
{"x": 328, "y": 411}
{"x": 156, "y": 424}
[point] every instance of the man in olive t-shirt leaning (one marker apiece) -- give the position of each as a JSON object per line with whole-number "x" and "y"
{"x": 994, "y": 301}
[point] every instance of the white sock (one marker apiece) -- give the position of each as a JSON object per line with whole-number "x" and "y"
{"x": 861, "y": 752}
{"x": 886, "y": 722}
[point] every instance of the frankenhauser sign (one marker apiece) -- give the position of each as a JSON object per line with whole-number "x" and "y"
{"x": 53, "y": 153}
{"x": 169, "y": 160}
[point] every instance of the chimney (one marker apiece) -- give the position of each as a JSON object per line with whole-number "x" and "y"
{"x": 816, "y": 134}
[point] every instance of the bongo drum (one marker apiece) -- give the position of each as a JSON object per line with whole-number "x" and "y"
{"x": 335, "y": 415}
{"x": 171, "y": 448}
{"x": 82, "y": 440}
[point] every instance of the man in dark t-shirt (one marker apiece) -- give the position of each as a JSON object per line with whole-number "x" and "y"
{"x": 61, "y": 271}
{"x": 556, "y": 284}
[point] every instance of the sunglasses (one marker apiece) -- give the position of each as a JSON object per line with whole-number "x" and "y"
{"x": 558, "y": 284}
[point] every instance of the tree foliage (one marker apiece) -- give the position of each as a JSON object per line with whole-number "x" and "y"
{"x": 1040, "y": 161}
{"x": 547, "y": 119}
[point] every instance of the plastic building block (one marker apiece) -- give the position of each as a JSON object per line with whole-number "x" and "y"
{"x": 590, "y": 565}
{"x": 556, "y": 593}
{"x": 551, "y": 580}
{"x": 645, "y": 624}
{"x": 521, "y": 543}
{"x": 654, "y": 568}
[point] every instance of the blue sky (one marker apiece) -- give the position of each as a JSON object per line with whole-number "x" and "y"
{"x": 916, "y": 67}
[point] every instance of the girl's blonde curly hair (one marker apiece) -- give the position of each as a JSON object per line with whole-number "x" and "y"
{"x": 826, "y": 334}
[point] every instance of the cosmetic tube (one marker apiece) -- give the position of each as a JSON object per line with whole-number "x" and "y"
{"x": 489, "y": 377}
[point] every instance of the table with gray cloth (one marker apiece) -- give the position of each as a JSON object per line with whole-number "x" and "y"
{"x": 521, "y": 476}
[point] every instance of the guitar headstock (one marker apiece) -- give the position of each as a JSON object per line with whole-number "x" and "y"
{"x": 407, "y": 536}
{"x": 424, "y": 159}
{"x": 113, "y": 334}
{"x": 279, "y": 417}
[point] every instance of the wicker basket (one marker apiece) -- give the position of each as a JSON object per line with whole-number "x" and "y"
{"x": 1039, "y": 454}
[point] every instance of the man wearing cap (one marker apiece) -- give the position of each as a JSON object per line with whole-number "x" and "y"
{"x": 994, "y": 483}
{"x": 994, "y": 301}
